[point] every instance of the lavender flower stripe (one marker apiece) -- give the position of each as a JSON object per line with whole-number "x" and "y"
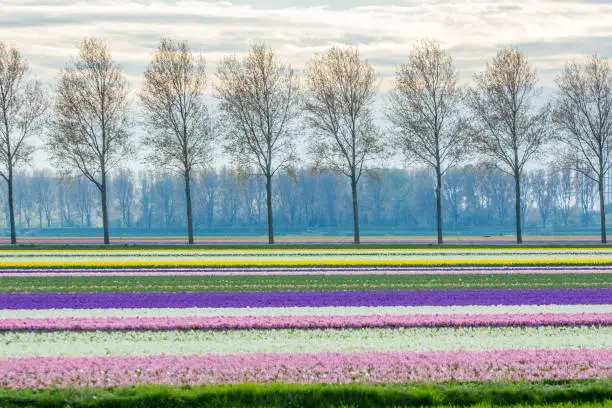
{"x": 305, "y": 299}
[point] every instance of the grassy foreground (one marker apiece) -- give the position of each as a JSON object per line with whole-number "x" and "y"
{"x": 562, "y": 394}
{"x": 101, "y": 284}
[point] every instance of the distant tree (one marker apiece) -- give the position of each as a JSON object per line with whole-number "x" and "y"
{"x": 229, "y": 196}
{"x": 495, "y": 192}
{"x": 527, "y": 196}
{"x": 43, "y": 189}
{"x": 146, "y": 200}
{"x": 453, "y": 193}
{"x": 176, "y": 116}
{"x": 23, "y": 108}
{"x": 65, "y": 206}
{"x": 259, "y": 102}
{"x": 544, "y": 186}
{"x": 165, "y": 199}
{"x": 585, "y": 186}
{"x": 288, "y": 197}
{"x": 82, "y": 202}
{"x": 583, "y": 114}
{"x": 24, "y": 197}
{"x": 424, "y": 107}
{"x": 5, "y": 209}
{"x": 565, "y": 193}
{"x": 124, "y": 193}
{"x": 339, "y": 107}
{"x": 423, "y": 199}
{"x": 208, "y": 184}
{"x": 506, "y": 128}
{"x": 90, "y": 127}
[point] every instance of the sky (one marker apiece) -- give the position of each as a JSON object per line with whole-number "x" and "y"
{"x": 550, "y": 32}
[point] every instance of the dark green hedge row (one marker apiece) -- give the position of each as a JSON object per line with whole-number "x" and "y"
{"x": 568, "y": 394}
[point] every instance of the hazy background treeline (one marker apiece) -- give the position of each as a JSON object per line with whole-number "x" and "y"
{"x": 477, "y": 201}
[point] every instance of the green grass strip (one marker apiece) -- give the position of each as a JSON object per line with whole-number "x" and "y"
{"x": 103, "y": 284}
{"x": 567, "y": 394}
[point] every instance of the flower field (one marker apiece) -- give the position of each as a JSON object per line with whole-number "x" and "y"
{"x": 72, "y": 320}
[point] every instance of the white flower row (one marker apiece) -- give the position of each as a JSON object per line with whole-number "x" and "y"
{"x": 77, "y": 344}
{"x": 302, "y": 311}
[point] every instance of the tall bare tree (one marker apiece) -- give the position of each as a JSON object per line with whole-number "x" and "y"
{"x": 90, "y": 127}
{"x": 259, "y": 101}
{"x": 341, "y": 92}
{"x": 176, "y": 115}
{"x": 424, "y": 107}
{"x": 583, "y": 114}
{"x": 23, "y": 107}
{"x": 506, "y": 128}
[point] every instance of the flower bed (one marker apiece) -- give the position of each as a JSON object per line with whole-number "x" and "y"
{"x": 337, "y": 316}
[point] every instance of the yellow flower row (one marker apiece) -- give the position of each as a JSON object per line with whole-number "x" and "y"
{"x": 298, "y": 263}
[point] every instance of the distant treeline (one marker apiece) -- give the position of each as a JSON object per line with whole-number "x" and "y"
{"x": 394, "y": 201}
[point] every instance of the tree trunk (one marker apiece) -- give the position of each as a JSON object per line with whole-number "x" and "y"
{"x": 189, "y": 212}
{"x": 602, "y": 210}
{"x": 356, "y": 239}
{"x": 439, "y": 204}
{"x": 269, "y": 202}
{"x": 104, "y": 210}
{"x": 517, "y": 187}
{"x": 11, "y": 206}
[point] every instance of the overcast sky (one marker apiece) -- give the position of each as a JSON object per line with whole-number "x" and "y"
{"x": 551, "y": 32}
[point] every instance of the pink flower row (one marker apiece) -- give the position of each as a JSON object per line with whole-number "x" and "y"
{"x": 284, "y": 322}
{"x": 384, "y": 367}
{"x": 307, "y": 271}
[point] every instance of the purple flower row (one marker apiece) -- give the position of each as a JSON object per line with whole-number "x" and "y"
{"x": 305, "y": 299}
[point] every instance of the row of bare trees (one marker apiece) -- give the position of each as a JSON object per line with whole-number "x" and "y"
{"x": 264, "y": 110}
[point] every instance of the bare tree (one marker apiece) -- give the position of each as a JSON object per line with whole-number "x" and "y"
{"x": 23, "y": 106}
{"x": 179, "y": 130}
{"x": 506, "y": 127}
{"x": 344, "y": 139}
{"x": 583, "y": 113}
{"x": 90, "y": 128}
{"x": 259, "y": 101}
{"x": 424, "y": 109}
